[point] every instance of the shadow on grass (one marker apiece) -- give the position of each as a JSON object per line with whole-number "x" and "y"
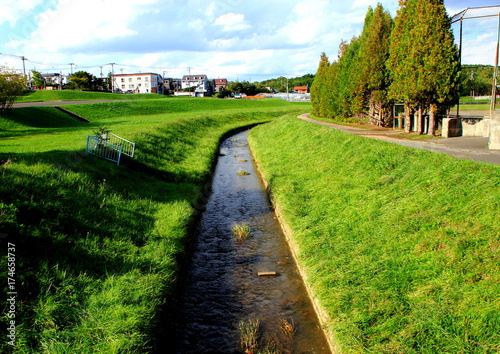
{"x": 86, "y": 216}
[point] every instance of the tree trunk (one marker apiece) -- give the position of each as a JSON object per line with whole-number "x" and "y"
{"x": 408, "y": 117}
{"x": 419, "y": 120}
{"x": 371, "y": 113}
{"x": 381, "y": 114}
{"x": 432, "y": 120}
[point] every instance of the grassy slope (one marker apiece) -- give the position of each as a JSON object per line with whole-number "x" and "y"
{"x": 96, "y": 244}
{"x": 402, "y": 246}
{"x": 70, "y": 95}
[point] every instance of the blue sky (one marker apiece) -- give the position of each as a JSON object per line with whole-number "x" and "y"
{"x": 234, "y": 39}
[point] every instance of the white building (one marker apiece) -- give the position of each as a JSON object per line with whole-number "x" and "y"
{"x": 137, "y": 83}
{"x": 198, "y": 81}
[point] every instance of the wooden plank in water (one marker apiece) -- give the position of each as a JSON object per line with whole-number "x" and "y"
{"x": 263, "y": 274}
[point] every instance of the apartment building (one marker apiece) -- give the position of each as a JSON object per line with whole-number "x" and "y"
{"x": 137, "y": 83}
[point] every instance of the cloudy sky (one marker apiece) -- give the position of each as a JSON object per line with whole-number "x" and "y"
{"x": 235, "y": 39}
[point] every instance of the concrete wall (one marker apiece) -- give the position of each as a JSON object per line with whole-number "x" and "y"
{"x": 494, "y": 142}
{"x": 475, "y": 127}
{"x": 465, "y": 127}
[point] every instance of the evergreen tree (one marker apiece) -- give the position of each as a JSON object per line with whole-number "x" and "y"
{"x": 438, "y": 59}
{"x": 320, "y": 88}
{"x": 372, "y": 75}
{"x": 399, "y": 64}
{"x": 423, "y": 60}
{"x": 344, "y": 80}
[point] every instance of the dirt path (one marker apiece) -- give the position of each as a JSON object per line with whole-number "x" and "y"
{"x": 463, "y": 147}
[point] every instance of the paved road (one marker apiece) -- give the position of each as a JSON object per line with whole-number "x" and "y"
{"x": 58, "y": 103}
{"x": 463, "y": 147}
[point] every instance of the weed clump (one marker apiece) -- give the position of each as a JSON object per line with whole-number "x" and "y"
{"x": 249, "y": 333}
{"x": 241, "y": 231}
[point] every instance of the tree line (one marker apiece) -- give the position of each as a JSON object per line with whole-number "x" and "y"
{"x": 411, "y": 59}
{"x": 80, "y": 80}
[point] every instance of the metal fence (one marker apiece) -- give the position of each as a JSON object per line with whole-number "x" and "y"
{"x": 109, "y": 146}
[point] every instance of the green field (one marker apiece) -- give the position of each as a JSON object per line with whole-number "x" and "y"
{"x": 401, "y": 246}
{"x": 97, "y": 245}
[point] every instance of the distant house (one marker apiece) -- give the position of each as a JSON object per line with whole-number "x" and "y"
{"x": 200, "y": 82}
{"x": 171, "y": 85}
{"x": 301, "y": 89}
{"x": 54, "y": 81}
{"x": 137, "y": 83}
{"x": 220, "y": 84}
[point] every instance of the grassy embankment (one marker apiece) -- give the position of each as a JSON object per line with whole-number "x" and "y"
{"x": 70, "y": 95}
{"x": 401, "y": 246}
{"x": 96, "y": 244}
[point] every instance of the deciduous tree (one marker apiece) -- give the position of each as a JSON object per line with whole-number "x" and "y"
{"x": 12, "y": 86}
{"x": 81, "y": 80}
{"x": 38, "y": 79}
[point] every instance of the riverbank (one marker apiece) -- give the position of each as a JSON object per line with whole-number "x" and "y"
{"x": 386, "y": 237}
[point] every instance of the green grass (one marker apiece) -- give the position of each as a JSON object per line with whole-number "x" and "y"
{"x": 401, "y": 246}
{"x": 70, "y": 95}
{"x": 97, "y": 245}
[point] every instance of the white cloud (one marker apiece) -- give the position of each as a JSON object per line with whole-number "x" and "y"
{"x": 13, "y": 10}
{"x": 232, "y": 22}
{"x": 229, "y": 38}
{"x": 73, "y": 23}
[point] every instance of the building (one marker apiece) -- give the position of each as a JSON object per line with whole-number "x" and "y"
{"x": 220, "y": 85}
{"x": 199, "y": 82}
{"x": 301, "y": 89}
{"x": 171, "y": 85}
{"x": 137, "y": 83}
{"x": 54, "y": 81}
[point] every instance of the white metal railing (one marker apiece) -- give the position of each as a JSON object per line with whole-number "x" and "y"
{"x": 128, "y": 147}
{"x": 109, "y": 146}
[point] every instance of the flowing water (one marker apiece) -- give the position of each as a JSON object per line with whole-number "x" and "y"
{"x": 222, "y": 286}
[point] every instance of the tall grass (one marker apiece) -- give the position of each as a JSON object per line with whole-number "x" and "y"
{"x": 401, "y": 246}
{"x": 97, "y": 245}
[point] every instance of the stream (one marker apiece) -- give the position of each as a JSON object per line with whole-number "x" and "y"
{"x": 222, "y": 291}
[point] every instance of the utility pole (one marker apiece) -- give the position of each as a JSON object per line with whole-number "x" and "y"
{"x": 71, "y": 64}
{"x": 24, "y": 65}
{"x": 495, "y": 74}
{"x": 112, "y": 76}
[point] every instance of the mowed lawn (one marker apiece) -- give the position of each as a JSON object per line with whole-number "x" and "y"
{"x": 97, "y": 245}
{"x": 400, "y": 246}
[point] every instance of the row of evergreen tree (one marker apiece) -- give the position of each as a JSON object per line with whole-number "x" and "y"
{"x": 410, "y": 59}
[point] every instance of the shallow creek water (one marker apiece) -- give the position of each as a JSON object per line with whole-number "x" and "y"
{"x": 221, "y": 284}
